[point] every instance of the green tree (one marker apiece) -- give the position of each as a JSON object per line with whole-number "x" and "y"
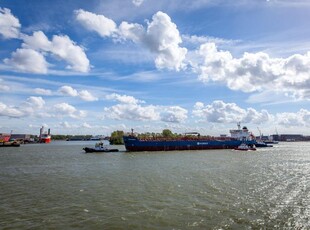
{"x": 167, "y": 133}
{"x": 117, "y": 138}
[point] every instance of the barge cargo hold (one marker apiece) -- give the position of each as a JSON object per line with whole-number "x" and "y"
{"x": 135, "y": 144}
{"x": 239, "y": 136}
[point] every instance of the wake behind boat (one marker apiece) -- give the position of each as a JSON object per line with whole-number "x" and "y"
{"x": 99, "y": 148}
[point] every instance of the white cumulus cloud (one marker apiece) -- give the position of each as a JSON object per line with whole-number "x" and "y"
{"x": 41, "y": 91}
{"x": 83, "y": 94}
{"x": 221, "y": 112}
{"x": 256, "y": 72}
{"x": 131, "y": 109}
{"x": 30, "y": 107}
{"x": 164, "y": 38}
{"x": 87, "y": 96}
{"x": 175, "y": 114}
{"x": 62, "y": 47}
{"x": 67, "y": 50}
{"x": 299, "y": 119}
{"x": 68, "y": 90}
{"x": 36, "y": 102}
{"x": 132, "y": 112}
{"x": 65, "y": 109}
{"x": 31, "y": 57}
{"x": 123, "y": 98}
{"x": 9, "y": 24}
{"x": 94, "y": 22}
{"x": 161, "y": 36}
{"x": 37, "y": 41}
{"x": 10, "y": 111}
{"x": 28, "y": 60}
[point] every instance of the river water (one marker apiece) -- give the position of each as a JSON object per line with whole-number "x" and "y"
{"x": 57, "y": 186}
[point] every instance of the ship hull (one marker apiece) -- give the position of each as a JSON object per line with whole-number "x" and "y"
{"x": 94, "y": 150}
{"x": 9, "y": 144}
{"x": 45, "y": 140}
{"x": 134, "y": 144}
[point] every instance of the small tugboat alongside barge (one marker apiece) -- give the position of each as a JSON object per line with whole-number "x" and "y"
{"x": 99, "y": 148}
{"x": 245, "y": 147}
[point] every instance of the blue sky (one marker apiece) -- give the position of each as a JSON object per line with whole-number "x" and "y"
{"x": 92, "y": 67}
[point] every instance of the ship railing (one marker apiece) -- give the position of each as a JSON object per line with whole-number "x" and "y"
{"x": 185, "y": 138}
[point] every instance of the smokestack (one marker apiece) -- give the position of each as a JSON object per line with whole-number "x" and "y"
{"x": 41, "y": 131}
{"x": 49, "y": 131}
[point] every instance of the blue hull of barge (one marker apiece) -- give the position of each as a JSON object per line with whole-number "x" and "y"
{"x": 134, "y": 144}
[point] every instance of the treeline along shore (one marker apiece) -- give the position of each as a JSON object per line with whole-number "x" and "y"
{"x": 116, "y": 137}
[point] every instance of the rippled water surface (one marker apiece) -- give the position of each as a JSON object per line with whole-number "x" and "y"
{"x": 57, "y": 186}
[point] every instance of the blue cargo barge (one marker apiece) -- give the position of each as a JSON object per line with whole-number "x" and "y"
{"x": 239, "y": 136}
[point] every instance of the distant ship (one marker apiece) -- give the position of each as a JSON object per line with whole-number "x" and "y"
{"x": 45, "y": 137}
{"x": 4, "y": 137}
{"x": 190, "y": 142}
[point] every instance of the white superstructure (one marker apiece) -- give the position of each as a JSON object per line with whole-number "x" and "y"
{"x": 241, "y": 134}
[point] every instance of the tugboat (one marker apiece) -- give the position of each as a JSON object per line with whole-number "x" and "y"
{"x": 245, "y": 147}
{"x": 99, "y": 148}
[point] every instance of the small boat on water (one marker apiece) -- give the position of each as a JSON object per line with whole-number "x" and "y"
{"x": 99, "y": 148}
{"x": 10, "y": 144}
{"x": 245, "y": 147}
